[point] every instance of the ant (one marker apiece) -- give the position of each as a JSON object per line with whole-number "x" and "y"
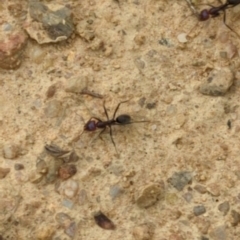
{"x": 215, "y": 12}
{"x": 96, "y": 123}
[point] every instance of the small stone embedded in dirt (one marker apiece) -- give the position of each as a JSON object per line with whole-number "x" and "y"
{"x": 218, "y": 82}
{"x": 67, "y": 171}
{"x": 55, "y": 151}
{"x": 214, "y": 189}
{"x": 151, "y": 105}
{"x": 82, "y": 197}
{"x": 224, "y": 207}
{"x": 44, "y": 231}
{"x": 52, "y": 173}
{"x": 10, "y": 151}
{"x": 180, "y": 180}
{"x": 182, "y": 37}
{"x": 53, "y": 109}
{"x": 69, "y": 188}
{"x": 63, "y": 219}
{"x": 18, "y": 166}
{"x": 41, "y": 166}
{"x": 67, "y": 203}
{"x": 188, "y": 196}
{"x": 4, "y": 172}
{"x": 51, "y": 91}
{"x": 49, "y": 23}
{"x": 219, "y": 233}
{"x": 77, "y": 84}
{"x": 35, "y": 177}
{"x": 235, "y": 218}
{"x": 143, "y": 231}
{"x": 12, "y": 49}
{"x": 149, "y": 195}
{"x": 71, "y": 229}
{"x": 103, "y": 221}
{"x": 200, "y": 188}
{"x": 199, "y": 210}
{"x": 115, "y": 191}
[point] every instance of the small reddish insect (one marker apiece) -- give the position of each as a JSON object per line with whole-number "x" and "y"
{"x": 213, "y": 12}
{"x": 103, "y": 221}
{"x": 96, "y": 123}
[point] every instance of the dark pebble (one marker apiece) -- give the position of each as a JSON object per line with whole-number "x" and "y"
{"x": 201, "y": 189}
{"x": 4, "y": 172}
{"x": 18, "y": 166}
{"x": 224, "y": 207}
{"x": 199, "y": 210}
{"x": 151, "y": 105}
{"x": 67, "y": 171}
{"x": 103, "y": 221}
{"x": 180, "y": 180}
{"x": 235, "y": 218}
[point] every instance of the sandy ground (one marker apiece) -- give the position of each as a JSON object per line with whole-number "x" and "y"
{"x": 137, "y": 55}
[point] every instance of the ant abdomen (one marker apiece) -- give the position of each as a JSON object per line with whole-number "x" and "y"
{"x": 123, "y": 119}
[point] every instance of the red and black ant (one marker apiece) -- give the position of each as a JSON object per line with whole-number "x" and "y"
{"x": 213, "y": 12}
{"x": 96, "y": 123}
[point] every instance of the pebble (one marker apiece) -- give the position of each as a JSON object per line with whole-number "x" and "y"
{"x": 67, "y": 171}
{"x": 12, "y": 49}
{"x": 224, "y": 207}
{"x": 144, "y": 231}
{"x": 82, "y": 197}
{"x": 77, "y": 84}
{"x": 68, "y": 203}
{"x": 68, "y": 188}
{"x": 10, "y": 151}
{"x": 103, "y": 221}
{"x": 115, "y": 191}
{"x": 49, "y": 23}
{"x": 200, "y": 188}
{"x": 182, "y": 37}
{"x": 44, "y": 232}
{"x": 4, "y": 172}
{"x": 149, "y": 195}
{"x": 63, "y": 219}
{"x": 41, "y": 166}
{"x": 219, "y": 233}
{"x": 199, "y": 210}
{"x": 235, "y": 218}
{"x": 188, "y": 196}
{"x": 35, "y": 177}
{"x": 71, "y": 229}
{"x": 51, "y": 91}
{"x": 55, "y": 151}
{"x": 214, "y": 189}
{"x": 218, "y": 82}
{"x": 180, "y": 180}
{"x": 53, "y": 109}
{"x": 18, "y": 166}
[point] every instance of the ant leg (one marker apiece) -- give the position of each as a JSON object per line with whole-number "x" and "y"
{"x": 224, "y": 21}
{"x": 118, "y": 108}
{"x": 112, "y": 139}
{"x": 97, "y": 136}
{"x": 105, "y": 110}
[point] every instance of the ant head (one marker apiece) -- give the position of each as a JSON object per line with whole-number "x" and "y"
{"x": 91, "y": 125}
{"x": 123, "y": 119}
{"x": 204, "y": 15}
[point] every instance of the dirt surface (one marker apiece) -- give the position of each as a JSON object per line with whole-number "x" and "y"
{"x": 173, "y": 177}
